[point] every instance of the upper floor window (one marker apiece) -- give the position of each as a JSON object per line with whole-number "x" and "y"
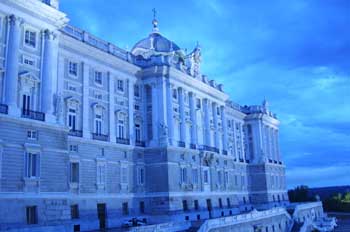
{"x": 74, "y": 172}
{"x": 121, "y": 128}
{"x": 28, "y": 61}
{"x": 30, "y": 38}
{"x": 136, "y": 90}
{"x": 101, "y": 174}
{"x": 120, "y": 85}
{"x": 218, "y": 110}
{"x": 137, "y": 132}
{"x": 73, "y": 68}
{"x": 183, "y": 175}
{"x": 98, "y": 124}
{"x": 226, "y": 178}
{"x": 174, "y": 93}
{"x": 32, "y": 165}
{"x": 74, "y": 211}
{"x": 72, "y": 117}
{"x": 73, "y": 148}
{"x": 98, "y": 78}
{"x": 195, "y": 176}
{"x": 219, "y": 177}
{"x": 124, "y": 175}
{"x": 206, "y": 177}
{"x": 141, "y": 176}
{"x": 198, "y": 103}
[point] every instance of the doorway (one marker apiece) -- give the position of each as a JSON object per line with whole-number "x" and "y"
{"x": 209, "y": 207}
{"x": 101, "y": 213}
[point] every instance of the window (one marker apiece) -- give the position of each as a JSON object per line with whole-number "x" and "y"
{"x": 32, "y": 134}
{"x": 198, "y": 103}
{"x": 73, "y": 68}
{"x": 73, "y": 148}
{"x": 218, "y": 110}
{"x": 74, "y": 172}
{"x": 98, "y": 78}
{"x": 30, "y": 38}
{"x": 98, "y": 124}
{"x": 141, "y": 176}
{"x": 183, "y": 175}
{"x": 195, "y": 176}
{"x": 220, "y": 203}
{"x": 72, "y": 118}
{"x": 32, "y": 165}
{"x": 243, "y": 181}
{"x": 196, "y": 205}
{"x": 142, "y": 207}
{"x": 101, "y": 174}
{"x": 174, "y": 93}
{"x": 137, "y": 132}
{"x": 137, "y": 107}
{"x": 236, "y": 180}
{"x": 226, "y": 178}
{"x": 136, "y": 90}
{"x": 120, "y": 85}
{"x": 31, "y": 214}
{"x": 206, "y": 176}
{"x": 219, "y": 178}
{"x": 74, "y": 211}
{"x": 26, "y": 104}
{"x": 121, "y": 127}
{"x": 28, "y": 61}
{"x": 228, "y": 202}
{"x": 124, "y": 175}
{"x": 125, "y": 208}
{"x": 184, "y": 205}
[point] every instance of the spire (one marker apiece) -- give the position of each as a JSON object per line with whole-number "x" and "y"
{"x": 155, "y": 21}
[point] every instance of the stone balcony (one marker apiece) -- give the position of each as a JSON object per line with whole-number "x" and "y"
{"x": 35, "y": 115}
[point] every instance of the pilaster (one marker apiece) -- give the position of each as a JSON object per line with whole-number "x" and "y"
{"x": 206, "y": 122}
{"x": 224, "y": 128}
{"x": 182, "y": 115}
{"x": 131, "y": 112}
{"x": 112, "y": 124}
{"x": 86, "y": 107}
{"x": 170, "y": 112}
{"x": 193, "y": 118}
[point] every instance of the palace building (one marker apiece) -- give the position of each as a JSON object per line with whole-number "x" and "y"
{"x": 92, "y": 135}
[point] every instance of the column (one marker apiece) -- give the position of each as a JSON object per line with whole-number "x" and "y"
{"x": 193, "y": 116}
{"x": 86, "y": 107}
{"x": 170, "y": 112}
{"x": 112, "y": 124}
{"x": 131, "y": 112}
{"x": 49, "y": 71}
{"x": 224, "y": 128}
{"x": 11, "y": 71}
{"x": 215, "y": 120}
{"x": 155, "y": 112}
{"x": 182, "y": 115}
{"x": 162, "y": 112}
{"x": 206, "y": 122}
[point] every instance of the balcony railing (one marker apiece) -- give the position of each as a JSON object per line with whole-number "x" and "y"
{"x": 224, "y": 152}
{"x": 193, "y": 146}
{"x": 208, "y": 148}
{"x": 100, "y": 137}
{"x": 122, "y": 141}
{"x": 4, "y": 109}
{"x": 140, "y": 143}
{"x": 76, "y": 133}
{"x": 181, "y": 144}
{"x": 40, "y": 116}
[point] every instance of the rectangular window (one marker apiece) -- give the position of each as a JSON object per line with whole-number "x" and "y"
{"x": 32, "y": 134}
{"x": 137, "y": 132}
{"x": 228, "y": 202}
{"x": 174, "y": 93}
{"x": 136, "y": 90}
{"x": 28, "y": 61}
{"x": 226, "y": 178}
{"x": 206, "y": 176}
{"x": 72, "y": 118}
{"x": 121, "y": 129}
{"x": 32, "y": 165}
{"x": 73, "y": 68}
{"x": 141, "y": 176}
{"x": 220, "y": 203}
{"x": 98, "y": 124}
{"x": 73, "y": 148}
{"x": 142, "y": 207}
{"x": 31, "y": 215}
{"x": 101, "y": 174}
{"x": 137, "y": 107}
{"x": 184, "y": 205}
{"x": 30, "y": 38}
{"x": 219, "y": 178}
{"x": 195, "y": 176}
{"x": 98, "y": 78}
{"x": 124, "y": 175}
{"x": 125, "y": 208}
{"x": 236, "y": 180}
{"x": 26, "y": 106}
{"x": 196, "y": 205}
{"x": 183, "y": 175}
{"x": 198, "y": 103}
{"x": 74, "y": 211}
{"x": 74, "y": 172}
{"x": 120, "y": 85}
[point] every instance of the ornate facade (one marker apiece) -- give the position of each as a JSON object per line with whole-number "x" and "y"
{"x": 92, "y": 135}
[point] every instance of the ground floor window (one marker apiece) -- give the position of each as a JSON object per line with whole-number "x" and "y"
{"x": 31, "y": 214}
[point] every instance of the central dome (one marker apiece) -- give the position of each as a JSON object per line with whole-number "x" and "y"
{"x": 154, "y": 42}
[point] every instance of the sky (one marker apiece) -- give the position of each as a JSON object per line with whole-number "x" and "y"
{"x": 296, "y": 54}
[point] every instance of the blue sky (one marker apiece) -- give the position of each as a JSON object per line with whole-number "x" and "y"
{"x": 295, "y": 53}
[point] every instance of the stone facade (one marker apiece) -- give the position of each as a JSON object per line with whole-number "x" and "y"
{"x": 92, "y": 135}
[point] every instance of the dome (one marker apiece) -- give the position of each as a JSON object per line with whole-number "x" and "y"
{"x": 154, "y": 42}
